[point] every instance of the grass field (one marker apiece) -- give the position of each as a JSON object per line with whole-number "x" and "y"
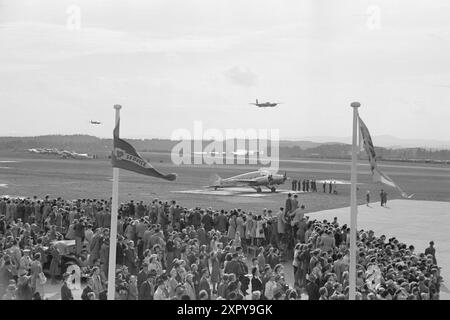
{"x": 28, "y": 175}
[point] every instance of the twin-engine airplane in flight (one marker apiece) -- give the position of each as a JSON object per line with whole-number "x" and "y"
{"x": 95, "y": 122}
{"x": 254, "y": 179}
{"x": 266, "y": 104}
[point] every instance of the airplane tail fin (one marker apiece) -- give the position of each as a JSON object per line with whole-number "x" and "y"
{"x": 256, "y": 101}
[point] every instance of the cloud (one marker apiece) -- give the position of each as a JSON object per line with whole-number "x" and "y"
{"x": 241, "y": 77}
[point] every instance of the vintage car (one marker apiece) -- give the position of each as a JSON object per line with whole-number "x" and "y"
{"x": 67, "y": 251}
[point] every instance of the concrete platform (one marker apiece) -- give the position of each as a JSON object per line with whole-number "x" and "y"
{"x": 410, "y": 221}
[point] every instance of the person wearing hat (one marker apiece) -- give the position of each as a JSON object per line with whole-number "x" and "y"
{"x": 204, "y": 283}
{"x": 161, "y": 292}
{"x": 256, "y": 281}
{"x": 10, "y": 292}
{"x": 179, "y": 292}
{"x": 37, "y": 276}
{"x": 6, "y": 274}
{"x": 190, "y": 287}
{"x": 132, "y": 288}
{"x": 66, "y": 293}
{"x": 270, "y": 286}
{"x": 24, "y": 291}
{"x": 234, "y": 266}
{"x": 312, "y": 288}
{"x": 431, "y": 250}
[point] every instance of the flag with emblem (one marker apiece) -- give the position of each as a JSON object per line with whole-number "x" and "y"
{"x": 377, "y": 174}
{"x": 125, "y": 156}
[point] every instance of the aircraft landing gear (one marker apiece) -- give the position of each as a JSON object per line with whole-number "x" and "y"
{"x": 258, "y": 190}
{"x": 273, "y": 189}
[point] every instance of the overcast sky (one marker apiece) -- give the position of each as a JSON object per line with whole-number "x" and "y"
{"x": 171, "y": 62}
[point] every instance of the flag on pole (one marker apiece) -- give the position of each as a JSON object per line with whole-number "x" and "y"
{"x": 377, "y": 174}
{"x": 125, "y": 156}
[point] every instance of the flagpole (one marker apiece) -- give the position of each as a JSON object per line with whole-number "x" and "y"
{"x": 353, "y": 205}
{"x": 113, "y": 229}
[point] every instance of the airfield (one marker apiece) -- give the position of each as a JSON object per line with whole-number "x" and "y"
{"x": 414, "y": 221}
{"x": 23, "y": 174}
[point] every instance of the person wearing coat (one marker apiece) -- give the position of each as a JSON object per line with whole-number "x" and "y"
{"x": 87, "y": 289}
{"x": 24, "y": 290}
{"x": 133, "y": 289}
{"x": 248, "y": 229}
{"x": 220, "y": 222}
{"x": 106, "y": 219}
{"x": 232, "y": 227}
{"x": 104, "y": 255}
{"x": 312, "y": 288}
{"x": 146, "y": 290}
{"x": 131, "y": 258}
{"x": 97, "y": 283}
{"x": 215, "y": 270}
{"x": 36, "y": 270}
{"x": 240, "y": 226}
{"x": 190, "y": 287}
{"x": 256, "y": 281}
{"x": 95, "y": 247}
{"x": 54, "y": 264}
{"x": 66, "y": 293}
{"x": 204, "y": 283}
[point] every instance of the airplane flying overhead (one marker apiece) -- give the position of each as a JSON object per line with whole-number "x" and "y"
{"x": 254, "y": 179}
{"x": 95, "y": 122}
{"x": 266, "y": 104}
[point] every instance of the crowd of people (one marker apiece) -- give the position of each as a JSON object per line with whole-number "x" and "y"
{"x": 310, "y": 185}
{"x": 166, "y": 251}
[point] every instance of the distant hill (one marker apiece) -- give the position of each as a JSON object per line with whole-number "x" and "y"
{"x": 288, "y": 149}
{"x": 388, "y": 141}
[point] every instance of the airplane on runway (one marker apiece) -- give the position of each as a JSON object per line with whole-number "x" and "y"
{"x": 73, "y": 155}
{"x": 95, "y": 122}
{"x": 254, "y": 179}
{"x": 266, "y": 104}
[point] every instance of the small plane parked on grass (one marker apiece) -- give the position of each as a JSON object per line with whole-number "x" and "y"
{"x": 64, "y": 154}
{"x": 266, "y": 104}
{"x": 74, "y": 155}
{"x": 254, "y": 179}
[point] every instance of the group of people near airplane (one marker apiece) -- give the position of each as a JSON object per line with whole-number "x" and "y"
{"x": 310, "y": 185}
{"x": 167, "y": 251}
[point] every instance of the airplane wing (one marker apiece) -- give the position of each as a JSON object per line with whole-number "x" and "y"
{"x": 244, "y": 180}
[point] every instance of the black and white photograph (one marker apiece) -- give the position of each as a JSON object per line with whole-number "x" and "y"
{"x": 240, "y": 151}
